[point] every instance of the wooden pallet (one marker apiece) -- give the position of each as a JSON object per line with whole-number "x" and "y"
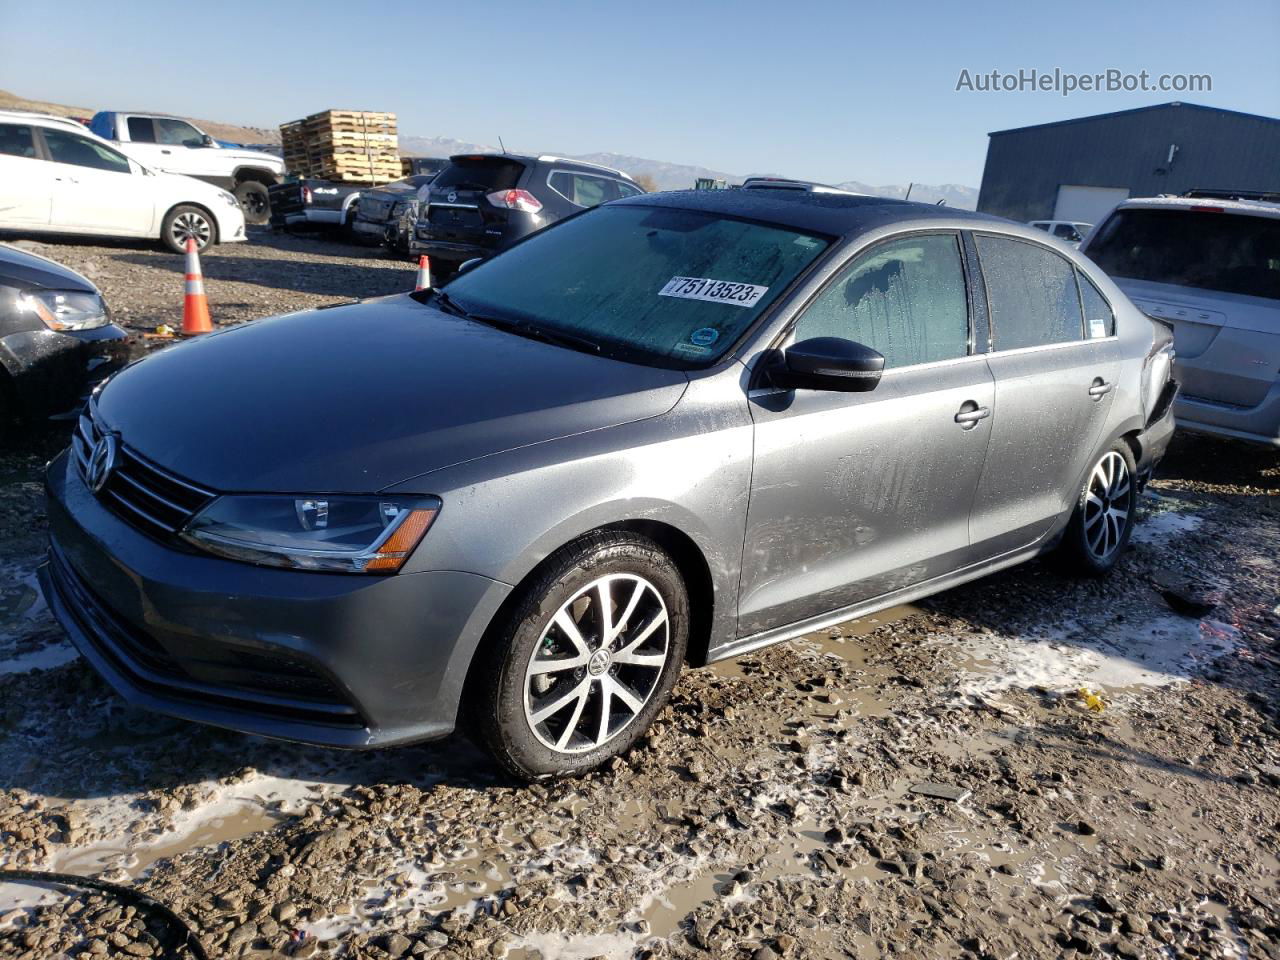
{"x": 347, "y": 145}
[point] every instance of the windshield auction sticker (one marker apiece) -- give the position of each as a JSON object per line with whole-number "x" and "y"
{"x": 714, "y": 291}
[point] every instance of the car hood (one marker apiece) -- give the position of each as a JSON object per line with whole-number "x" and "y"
{"x": 20, "y": 268}
{"x": 357, "y": 397}
{"x": 258, "y": 158}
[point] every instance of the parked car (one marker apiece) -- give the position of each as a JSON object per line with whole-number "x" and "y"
{"x": 388, "y": 214}
{"x": 1068, "y": 231}
{"x": 174, "y": 145}
{"x": 675, "y": 428}
{"x": 57, "y": 341}
{"x": 1211, "y": 269}
{"x": 58, "y": 177}
{"x": 311, "y": 202}
{"x": 483, "y": 203}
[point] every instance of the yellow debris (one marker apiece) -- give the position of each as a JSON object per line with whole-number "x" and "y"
{"x": 1092, "y": 700}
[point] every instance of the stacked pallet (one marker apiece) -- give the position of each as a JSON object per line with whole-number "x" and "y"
{"x": 354, "y": 146}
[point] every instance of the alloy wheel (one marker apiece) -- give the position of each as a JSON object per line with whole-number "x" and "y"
{"x": 193, "y": 225}
{"x": 1107, "y": 505}
{"x": 597, "y": 663}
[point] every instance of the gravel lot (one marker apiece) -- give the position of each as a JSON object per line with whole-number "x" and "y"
{"x": 772, "y": 812}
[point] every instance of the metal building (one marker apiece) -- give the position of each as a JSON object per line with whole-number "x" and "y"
{"x": 1079, "y": 169}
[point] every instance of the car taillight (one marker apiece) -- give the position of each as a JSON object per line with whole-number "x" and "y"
{"x": 521, "y": 200}
{"x": 306, "y": 194}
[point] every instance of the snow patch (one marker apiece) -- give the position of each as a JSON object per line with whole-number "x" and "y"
{"x": 1160, "y": 652}
{"x": 577, "y": 946}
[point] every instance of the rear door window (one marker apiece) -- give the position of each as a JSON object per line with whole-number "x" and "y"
{"x": 142, "y": 130}
{"x": 1032, "y": 292}
{"x": 16, "y": 140}
{"x": 584, "y": 189}
{"x": 1208, "y": 250}
{"x": 1099, "y": 321}
{"x": 481, "y": 173}
{"x": 905, "y": 298}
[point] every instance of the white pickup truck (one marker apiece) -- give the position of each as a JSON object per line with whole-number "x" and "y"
{"x": 174, "y": 145}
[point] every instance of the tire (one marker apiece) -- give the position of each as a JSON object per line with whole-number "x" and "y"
{"x": 541, "y": 722}
{"x": 188, "y": 220}
{"x": 1105, "y": 511}
{"x": 254, "y": 201}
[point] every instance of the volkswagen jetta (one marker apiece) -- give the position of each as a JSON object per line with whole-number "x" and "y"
{"x": 668, "y": 430}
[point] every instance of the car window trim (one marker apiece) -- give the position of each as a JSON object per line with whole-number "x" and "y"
{"x": 790, "y": 326}
{"x": 1032, "y": 242}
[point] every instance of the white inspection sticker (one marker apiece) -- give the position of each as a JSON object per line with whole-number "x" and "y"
{"x": 714, "y": 291}
{"x": 1097, "y": 328}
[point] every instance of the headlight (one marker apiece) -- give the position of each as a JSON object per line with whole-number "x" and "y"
{"x": 348, "y": 534}
{"x": 67, "y": 309}
{"x": 229, "y": 198}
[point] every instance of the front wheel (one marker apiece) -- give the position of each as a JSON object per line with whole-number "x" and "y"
{"x": 254, "y": 201}
{"x": 1105, "y": 511}
{"x": 586, "y": 659}
{"x": 188, "y": 221}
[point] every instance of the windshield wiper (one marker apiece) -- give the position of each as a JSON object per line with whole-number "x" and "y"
{"x": 521, "y": 328}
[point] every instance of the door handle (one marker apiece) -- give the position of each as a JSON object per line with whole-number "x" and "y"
{"x": 1100, "y": 388}
{"x": 970, "y": 413}
{"x": 166, "y": 152}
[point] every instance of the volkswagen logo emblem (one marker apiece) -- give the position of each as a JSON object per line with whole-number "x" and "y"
{"x": 102, "y": 460}
{"x": 453, "y": 196}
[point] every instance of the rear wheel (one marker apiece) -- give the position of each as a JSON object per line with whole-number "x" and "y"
{"x": 254, "y": 201}
{"x": 188, "y": 221}
{"x": 1105, "y": 510}
{"x": 586, "y": 660}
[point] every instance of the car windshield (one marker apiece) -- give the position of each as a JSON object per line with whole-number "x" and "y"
{"x": 1229, "y": 253}
{"x": 668, "y": 287}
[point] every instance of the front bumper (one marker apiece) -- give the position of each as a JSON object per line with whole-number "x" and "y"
{"x": 54, "y": 372}
{"x": 338, "y": 660}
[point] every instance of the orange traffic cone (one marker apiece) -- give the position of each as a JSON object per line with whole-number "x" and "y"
{"x": 424, "y": 274}
{"x": 195, "y": 308}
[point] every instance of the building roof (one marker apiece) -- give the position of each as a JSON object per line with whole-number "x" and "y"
{"x": 1122, "y": 113}
{"x": 833, "y": 214}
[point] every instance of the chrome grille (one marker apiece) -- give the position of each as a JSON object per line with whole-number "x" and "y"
{"x": 148, "y": 497}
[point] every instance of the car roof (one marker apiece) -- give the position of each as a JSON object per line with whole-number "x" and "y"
{"x": 834, "y": 214}
{"x": 31, "y": 116}
{"x": 544, "y": 158}
{"x": 1257, "y": 208}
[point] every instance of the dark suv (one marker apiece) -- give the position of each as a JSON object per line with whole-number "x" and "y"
{"x": 483, "y": 203}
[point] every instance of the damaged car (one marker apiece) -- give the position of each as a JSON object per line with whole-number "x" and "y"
{"x": 57, "y": 341}
{"x": 672, "y": 429}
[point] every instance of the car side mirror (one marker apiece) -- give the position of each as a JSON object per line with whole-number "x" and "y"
{"x": 468, "y": 264}
{"x": 829, "y": 363}
{"x": 206, "y": 140}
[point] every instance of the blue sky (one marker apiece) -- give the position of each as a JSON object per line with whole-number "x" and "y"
{"x": 829, "y": 91}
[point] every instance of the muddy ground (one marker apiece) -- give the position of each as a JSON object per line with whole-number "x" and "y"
{"x": 773, "y": 811}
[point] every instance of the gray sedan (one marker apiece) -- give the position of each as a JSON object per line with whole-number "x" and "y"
{"x": 668, "y": 430}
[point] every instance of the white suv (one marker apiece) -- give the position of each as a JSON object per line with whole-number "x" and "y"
{"x": 1210, "y": 268}
{"x": 58, "y": 177}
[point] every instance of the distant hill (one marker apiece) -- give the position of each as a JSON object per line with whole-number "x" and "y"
{"x": 219, "y": 131}
{"x": 666, "y": 175}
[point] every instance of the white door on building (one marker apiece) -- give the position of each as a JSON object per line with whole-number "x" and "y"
{"x": 1087, "y": 204}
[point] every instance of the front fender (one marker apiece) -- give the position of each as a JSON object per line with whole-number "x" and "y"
{"x": 690, "y": 469}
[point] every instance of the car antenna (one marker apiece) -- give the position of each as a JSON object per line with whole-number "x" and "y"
{"x": 502, "y": 145}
